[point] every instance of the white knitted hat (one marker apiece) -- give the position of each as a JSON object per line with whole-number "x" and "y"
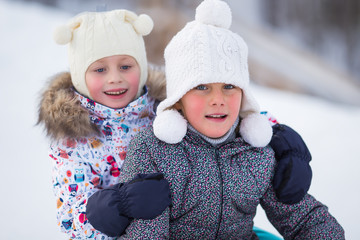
{"x": 206, "y": 51}
{"x": 95, "y": 35}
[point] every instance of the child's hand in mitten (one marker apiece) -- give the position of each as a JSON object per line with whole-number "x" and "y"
{"x": 111, "y": 210}
{"x": 293, "y": 173}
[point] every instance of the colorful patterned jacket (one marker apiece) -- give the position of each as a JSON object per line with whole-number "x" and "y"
{"x": 215, "y": 192}
{"x": 89, "y": 146}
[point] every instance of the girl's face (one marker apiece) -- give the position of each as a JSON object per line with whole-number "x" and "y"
{"x": 211, "y": 108}
{"x": 113, "y": 81}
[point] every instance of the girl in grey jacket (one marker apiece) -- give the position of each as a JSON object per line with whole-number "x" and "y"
{"x": 211, "y": 144}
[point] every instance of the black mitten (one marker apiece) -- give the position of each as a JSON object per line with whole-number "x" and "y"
{"x": 103, "y": 212}
{"x": 146, "y": 196}
{"x": 111, "y": 210}
{"x": 293, "y": 174}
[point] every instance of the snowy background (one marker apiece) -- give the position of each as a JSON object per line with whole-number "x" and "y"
{"x": 28, "y": 56}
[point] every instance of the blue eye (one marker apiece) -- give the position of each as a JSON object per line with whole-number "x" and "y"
{"x": 125, "y": 67}
{"x": 100, "y": 70}
{"x": 228, "y": 86}
{"x": 201, "y": 87}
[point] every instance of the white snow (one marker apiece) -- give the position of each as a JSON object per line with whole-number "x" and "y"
{"x": 29, "y": 56}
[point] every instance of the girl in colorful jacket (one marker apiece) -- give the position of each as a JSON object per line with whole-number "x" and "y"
{"x": 211, "y": 144}
{"x": 93, "y": 112}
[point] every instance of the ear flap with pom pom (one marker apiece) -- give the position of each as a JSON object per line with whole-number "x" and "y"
{"x": 170, "y": 126}
{"x": 256, "y": 130}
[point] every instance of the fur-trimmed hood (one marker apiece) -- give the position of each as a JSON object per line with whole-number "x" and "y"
{"x": 63, "y": 116}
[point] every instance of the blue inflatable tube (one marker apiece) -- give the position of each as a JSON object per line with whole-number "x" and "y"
{"x": 264, "y": 235}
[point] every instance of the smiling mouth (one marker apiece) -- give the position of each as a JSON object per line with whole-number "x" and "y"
{"x": 216, "y": 116}
{"x": 116, "y": 93}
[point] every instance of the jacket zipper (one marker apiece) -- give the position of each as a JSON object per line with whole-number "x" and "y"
{"x": 221, "y": 192}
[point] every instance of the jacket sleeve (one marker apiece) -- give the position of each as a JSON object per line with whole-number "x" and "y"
{"x": 139, "y": 160}
{"x": 74, "y": 181}
{"x": 308, "y": 219}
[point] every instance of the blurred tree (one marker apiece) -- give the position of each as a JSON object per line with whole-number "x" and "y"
{"x": 329, "y": 27}
{"x": 45, "y": 2}
{"x": 169, "y": 17}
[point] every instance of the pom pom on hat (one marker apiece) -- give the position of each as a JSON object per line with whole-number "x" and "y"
{"x": 170, "y": 126}
{"x": 256, "y": 130}
{"x": 62, "y": 35}
{"x": 143, "y": 25}
{"x": 214, "y": 12}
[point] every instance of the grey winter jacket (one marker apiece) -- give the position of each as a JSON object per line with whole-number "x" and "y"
{"x": 215, "y": 192}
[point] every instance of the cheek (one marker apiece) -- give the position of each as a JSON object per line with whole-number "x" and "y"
{"x": 193, "y": 107}
{"x": 235, "y": 104}
{"x": 134, "y": 80}
{"x": 197, "y": 106}
{"x": 93, "y": 83}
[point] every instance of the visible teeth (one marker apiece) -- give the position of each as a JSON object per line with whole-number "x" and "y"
{"x": 216, "y": 116}
{"x": 116, "y": 93}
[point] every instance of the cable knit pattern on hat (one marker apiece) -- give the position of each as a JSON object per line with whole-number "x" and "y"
{"x": 205, "y": 51}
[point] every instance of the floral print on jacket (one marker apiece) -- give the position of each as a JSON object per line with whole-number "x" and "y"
{"x": 82, "y": 166}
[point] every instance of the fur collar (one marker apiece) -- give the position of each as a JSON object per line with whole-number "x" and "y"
{"x": 63, "y": 116}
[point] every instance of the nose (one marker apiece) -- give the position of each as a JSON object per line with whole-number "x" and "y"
{"x": 217, "y": 97}
{"x": 114, "y": 77}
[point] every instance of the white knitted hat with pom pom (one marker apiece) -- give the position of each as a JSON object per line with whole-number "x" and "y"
{"x": 95, "y": 35}
{"x": 206, "y": 51}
